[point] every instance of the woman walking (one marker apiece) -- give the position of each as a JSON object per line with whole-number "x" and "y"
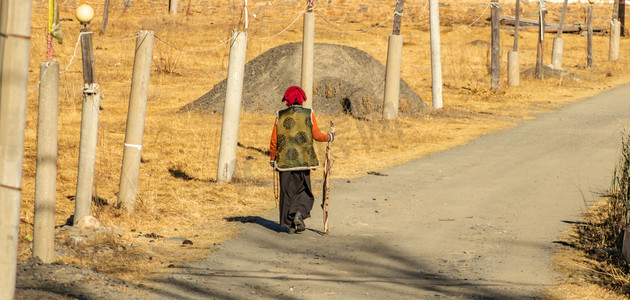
{"x": 292, "y": 154}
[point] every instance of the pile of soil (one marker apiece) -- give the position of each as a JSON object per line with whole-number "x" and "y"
{"x": 346, "y": 80}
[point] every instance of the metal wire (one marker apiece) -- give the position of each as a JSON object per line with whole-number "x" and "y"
{"x": 283, "y": 30}
{"x": 354, "y": 31}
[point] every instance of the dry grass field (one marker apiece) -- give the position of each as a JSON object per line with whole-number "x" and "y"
{"x": 178, "y": 195}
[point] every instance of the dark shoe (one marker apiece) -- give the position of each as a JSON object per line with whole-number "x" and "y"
{"x": 291, "y": 230}
{"x": 298, "y": 221}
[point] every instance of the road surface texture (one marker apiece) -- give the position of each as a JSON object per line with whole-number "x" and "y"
{"x": 480, "y": 221}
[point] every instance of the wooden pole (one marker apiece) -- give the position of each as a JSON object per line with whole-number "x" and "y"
{"x": 46, "y": 174}
{"x": 514, "y": 70}
{"x": 328, "y": 163}
{"x": 495, "y": 46}
{"x": 105, "y": 17}
{"x": 232, "y": 107}
{"x": 541, "y": 36}
{"x": 436, "y": 56}
{"x": 589, "y": 39}
{"x": 517, "y": 14}
{"x": 400, "y": 6}
{"x": 622, "y": 16}
{"x": 89, "y": 130}
{"x": 132, "y": 153}
{"x": 15, "y": 40}
{"x": 308, "y": 50}
{"x": 558, "y": 41}
{"x": 562, "y": 15}
{"x": 615, "y": 12}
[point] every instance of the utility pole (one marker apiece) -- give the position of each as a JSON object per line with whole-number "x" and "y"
{"x": 308, "y": 49}
{"x": 15, "y": 41}
{"x": 132, "y": 153}
{"x": 558, "y": 41}
{"x": 542, "y": 10}
{"x": 436, "y": 56}
{"x": 393, "y": 67}
{"x": 495, "y": 45}
{"x": 89, "y": 120}
{"x": 514, "y": 72}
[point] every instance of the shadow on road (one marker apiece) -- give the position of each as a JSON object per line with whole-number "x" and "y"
{"x": 258, "y": 220}
{"x": 329, "y": 266}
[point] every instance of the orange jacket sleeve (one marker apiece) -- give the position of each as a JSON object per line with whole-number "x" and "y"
{"x": 317, "y": 134}
{"x": 274, "y": 142}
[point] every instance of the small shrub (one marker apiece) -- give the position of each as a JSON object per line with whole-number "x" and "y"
{"x": 600, "y": 236}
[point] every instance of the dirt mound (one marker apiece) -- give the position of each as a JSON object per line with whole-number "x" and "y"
{"x": 346, "y": 80}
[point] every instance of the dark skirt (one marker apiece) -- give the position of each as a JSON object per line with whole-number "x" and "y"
{"x": 295, "y": 195}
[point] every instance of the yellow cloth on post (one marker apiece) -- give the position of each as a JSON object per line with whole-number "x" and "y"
{"x": 54, "y": 26}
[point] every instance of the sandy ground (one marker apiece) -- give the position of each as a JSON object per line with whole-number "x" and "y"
{"x": 478, "y": 221}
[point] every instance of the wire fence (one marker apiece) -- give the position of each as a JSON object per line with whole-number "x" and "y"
{"x": 300, "y": 14}
{"x": 354, "y": 31}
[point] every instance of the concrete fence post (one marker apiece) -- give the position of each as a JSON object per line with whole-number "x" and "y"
{"x": 615, "y": 35}
{"x": 132, "y": 152}
{"x": 514, "y": 69}
{"x": 308, "y": 49}
{"x": 436, "y": 56}
{"x": 232, "y": 107}
{"x": 89, "y": 131}
{"x": 556, "y": 53}
{"x": 15, "y": 41}
{"x": 392, "y": 77}
{"x": 558, "y": 42}
{"x": 46, "y": 174}
{"x": 172, "y": 7}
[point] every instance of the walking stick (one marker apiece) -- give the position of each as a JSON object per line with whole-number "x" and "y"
{"x": 328, "y": 163}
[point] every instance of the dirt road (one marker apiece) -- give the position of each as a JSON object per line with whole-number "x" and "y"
{"x": 479, "y": 221}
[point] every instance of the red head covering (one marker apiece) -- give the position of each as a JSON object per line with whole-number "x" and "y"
{"x": 294, "y": 95}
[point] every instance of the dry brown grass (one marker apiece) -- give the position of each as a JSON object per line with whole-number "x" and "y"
{"x": 192, "y": 204}
{"x": 592, "y": 267}
{"x": 594, "y": 261}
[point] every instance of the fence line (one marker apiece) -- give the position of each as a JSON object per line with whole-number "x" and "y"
{"x": 426, "y": 3}
{"x": 281, "y": 32}
{"x": 484, "y": 12}
{"x": 338, "y": 27}
{"x": 75, "y": 53}
{"x": 118, "y": 40}
{"x": 354, "y": 31}
{"x": 191, "y": 51}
